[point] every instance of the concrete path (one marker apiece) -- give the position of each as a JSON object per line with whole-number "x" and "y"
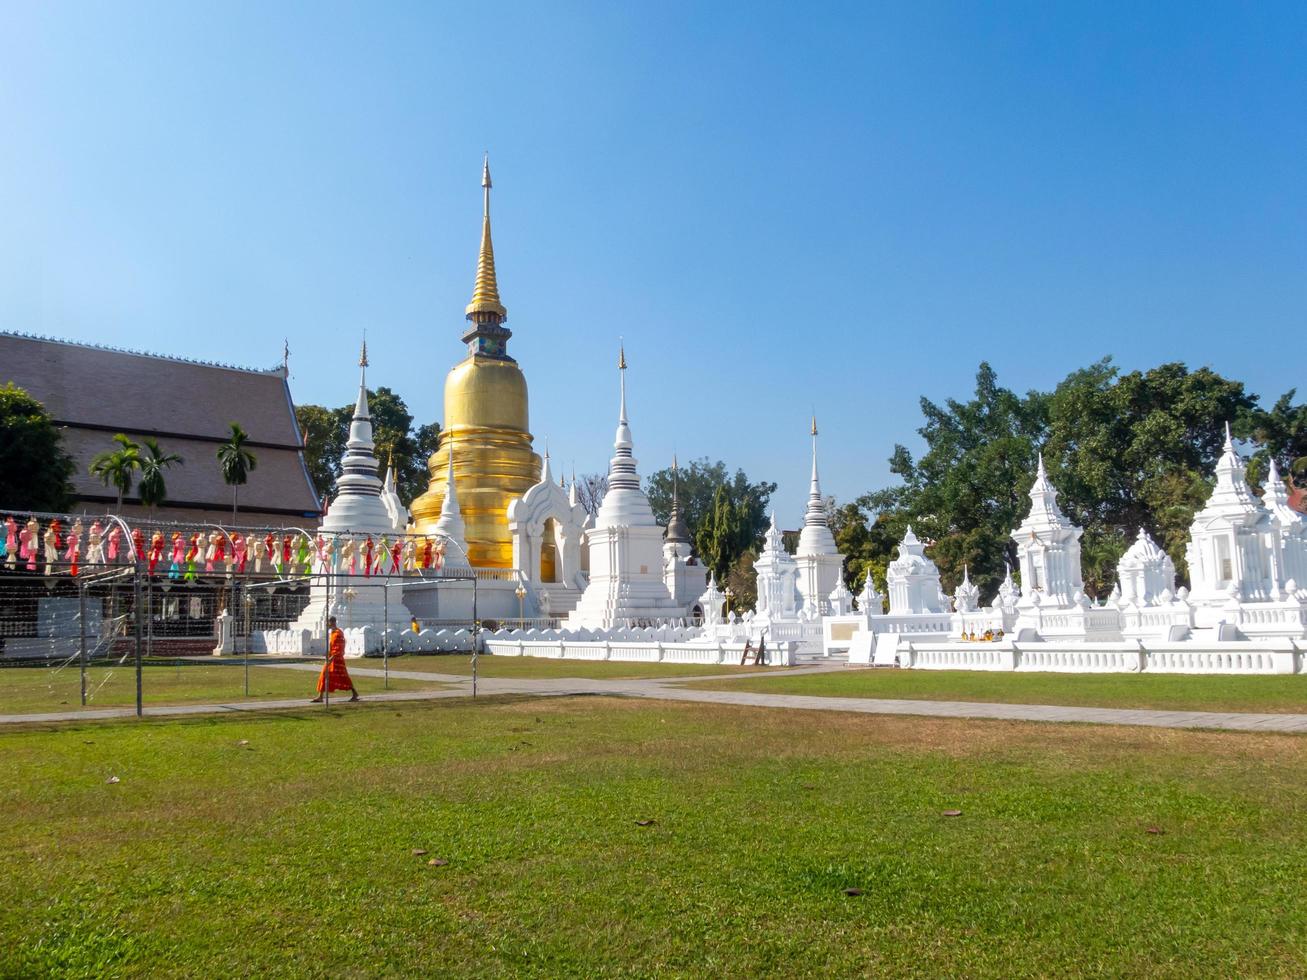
{"x": 671, "y": 689}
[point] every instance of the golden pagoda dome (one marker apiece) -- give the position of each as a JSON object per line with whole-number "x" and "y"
{"x": 486, "y": 419}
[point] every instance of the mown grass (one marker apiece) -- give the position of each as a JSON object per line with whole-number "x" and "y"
{"x": 493, "y": 666}
{"x": 292, "y": 854}
{"x": 1180, "y": 692}
{"x": 27, "y": 690}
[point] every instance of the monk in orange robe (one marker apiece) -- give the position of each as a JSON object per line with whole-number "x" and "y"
{"x": 334, "y": 676}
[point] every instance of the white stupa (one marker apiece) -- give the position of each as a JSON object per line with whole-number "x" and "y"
{"x": 966, "y": 598}
{"x": 626, "y": 547}
{"x": 1145, "y": 573}
{"x": 1234, "y": 551}
{"x": 449, "y": 527}
{"x": 357, "y": 512}
{"x": 1293, "y": 529}
{"x": 1048, "y": 547}
{"x": 819, "y": 561}
{"x": 870, "y": 602}
{"x": 358, "y": 506}
{"x": 913, "y": 580}
{"x": 777, "y": 573}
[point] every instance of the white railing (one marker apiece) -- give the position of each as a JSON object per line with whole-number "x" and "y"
{"x": 780, "y": 653}
{"x": 1191, "y": 657}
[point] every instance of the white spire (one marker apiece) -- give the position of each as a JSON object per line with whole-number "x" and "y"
{"x": 622, "y": 474}
{"x": 1044, "y": 510}
{"x": 816, "y": 505}
{"x": 1232, "y": 494}
{"x": 359, "y": 504}
{"x": 450, "y": 526}
{"x": 815, "y": 538}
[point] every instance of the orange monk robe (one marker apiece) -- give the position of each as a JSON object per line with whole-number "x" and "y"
{"x": 334, "y": 676}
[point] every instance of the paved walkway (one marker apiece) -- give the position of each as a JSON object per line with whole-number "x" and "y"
{"x": 671, "y": 689}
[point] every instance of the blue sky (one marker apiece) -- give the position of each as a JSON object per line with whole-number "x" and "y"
{"x": 782, "y": 208}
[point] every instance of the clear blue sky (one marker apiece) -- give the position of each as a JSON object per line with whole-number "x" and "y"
{"x": 781, "y": 207}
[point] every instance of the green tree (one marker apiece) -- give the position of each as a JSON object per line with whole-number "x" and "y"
{"x": 37, "y": 472}
{"x": 236, "y": 463}
{"x": 1281, "y": 432}
{"x": 1136, "y": 451}
{"x": 971, "y": 486}
{"x": 118, "y": 467}
{"x": 726, "y": 514}
{"x": 153, "y": 490}
{"x": 324, "y": 444}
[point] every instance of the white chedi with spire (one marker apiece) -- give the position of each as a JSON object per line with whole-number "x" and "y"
{"x": 1048, "y": 548}
{"x": 1293, "y": 530}
{"x": 913, "y": 580}
{"x": 1235, "y": 549}
{"x": 626, "y": 546}
{"x": 358, "y": 505}
{"x": 449, "y": 527}
{"x": 820, "y": 564}
{"x": 1145, "y": 574}
{"x": 966, "y": 598}
{"x": 358, "y": 511}
{"x": 777, "y": 576}
{"x": 870, "y": 601}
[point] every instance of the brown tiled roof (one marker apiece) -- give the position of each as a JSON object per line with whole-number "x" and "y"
{"x": 95, "y": 392}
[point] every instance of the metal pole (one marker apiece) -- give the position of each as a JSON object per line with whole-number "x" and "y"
{"x": 81, "y": 615}
{"x": 247, "y": 642}
{"x": 474, "y": 633}
{"x": 385, "y": 642}
{"x": 136, "y": 589}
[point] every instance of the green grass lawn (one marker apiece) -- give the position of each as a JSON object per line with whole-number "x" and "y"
{"x": 282, "y": 845}
{"x": 492, "y": 666}
{"x": 25, "y": 690}
{"x": 1180, "y": 692}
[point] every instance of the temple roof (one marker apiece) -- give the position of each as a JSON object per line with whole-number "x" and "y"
{"x": 94, "y": 392}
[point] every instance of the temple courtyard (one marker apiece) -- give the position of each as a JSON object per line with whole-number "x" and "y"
{"x": 602, "y": 819}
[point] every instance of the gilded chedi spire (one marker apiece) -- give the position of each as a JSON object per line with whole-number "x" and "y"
{"x": 485, "y": 292}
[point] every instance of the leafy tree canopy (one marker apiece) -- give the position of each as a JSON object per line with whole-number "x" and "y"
{"x": 38, "y": 470}
{"x": 1125, "y": 451}
{"x": 726, "y": 514}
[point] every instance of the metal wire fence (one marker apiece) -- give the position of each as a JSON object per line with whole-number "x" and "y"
{"x": 114, "y": 636}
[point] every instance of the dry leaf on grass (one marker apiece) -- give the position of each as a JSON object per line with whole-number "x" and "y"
{"x": 644, "y": 823}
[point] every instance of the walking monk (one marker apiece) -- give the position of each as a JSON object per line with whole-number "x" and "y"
{"x": 334, "y": 676}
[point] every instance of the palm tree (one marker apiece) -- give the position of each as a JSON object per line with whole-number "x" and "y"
{"x": 236, "y": 462}
{"x": 152, "y": 489}
{"x": 116, "y": 466}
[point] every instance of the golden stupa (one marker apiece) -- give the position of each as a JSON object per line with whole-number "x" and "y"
{"x": 486, "y": 425}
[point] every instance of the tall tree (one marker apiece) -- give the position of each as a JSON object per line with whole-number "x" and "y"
{"x": 970, "y": 487}
{"x": 37, "y": 471}
{"x": 1131, "y": 451}
{"x": 118, "y": 467}
{"x": 1281, "y": 432}
{"x": 236, "y": 463}
{"x": 726, "y": 514}
{"x": 153, "y": 488}
{"x": 324, "y": 444}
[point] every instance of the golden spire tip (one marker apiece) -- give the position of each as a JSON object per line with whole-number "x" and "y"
{"x": 363, "y": 354}
{"x": 814, "y": 425}
{"x": 621, "y": 357}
